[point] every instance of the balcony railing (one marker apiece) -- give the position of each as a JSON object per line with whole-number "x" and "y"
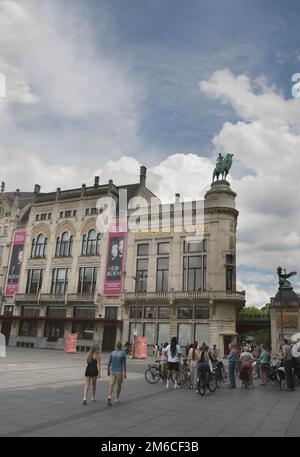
{"x": 81, "y": 298}
{"x": 27, "y": 298}
{"x": 198, "y": 295}
{"x": 53, "y": 298}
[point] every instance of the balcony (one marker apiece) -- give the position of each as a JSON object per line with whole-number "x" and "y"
{"x": 81, "y": 298}
{"x": 27, "y": 298}
{"x": 185, "y": 296}
{"x": 53, "y": 298}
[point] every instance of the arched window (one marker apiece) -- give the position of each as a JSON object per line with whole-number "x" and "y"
{"x": 91, "y": 243}
{"x": 64, "y": 245}
{"x": 38, "y": 247}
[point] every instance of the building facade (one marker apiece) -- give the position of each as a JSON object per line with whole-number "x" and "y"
{"x": 169, "y": 282}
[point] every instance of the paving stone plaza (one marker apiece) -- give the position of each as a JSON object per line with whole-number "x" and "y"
{"x": 41, "y": 396}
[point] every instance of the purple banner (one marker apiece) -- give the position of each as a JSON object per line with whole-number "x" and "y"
{"x": 16, "y": 258}
{"x": 115, "y": 261}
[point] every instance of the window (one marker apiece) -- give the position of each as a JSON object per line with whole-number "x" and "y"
{"x": 194, "y": 273}
{"x": 195, "y": 246}
{"x": 185, "y": 334}
{"x": 163, "y": 333}
{"x": 61, "y": 214}
{"x": 162, "y": 275}
{"x": 5, "y": 230}
{"x": 111, "y": 312}
{"x": 49, "y": 215}
{"x": 87, "y": 280}
{"x": 28, "y": 327}
{"x": 34, "y": 281}
{"x": 59, "y": 280}
{"x": 202, "y": 312}
{"x": 150, "y": 312}
{"x": 91, "y": 243}
{"x": 8, "y": 310}
{"x": 56, "y": 311}
{"x": 201, "y": 333}
{"x": 64, "y": 245}
{"x": 74, "y": 212}
{"x": 87, "y": 211}
{"x": 135, "y": 329}
{"x": 229, "y": 279}
{"x": 143, "y": 249}
{"x": 93, "y": 211}
{"x": 141, "y": 275}
{"x": 164, "y": 312}
{"x": 2, "y": 252}
{"x": 136, "y": 312}
{"x": 38, "y": 247}
{"x": 149, "y": 332}
{"x": 55, "y": 329}
{"x": 37, "y": 217}
{"x": 43, "y": 217}
{"x": 163, "y": 248}
{"x": 68, "y": 213}
{"x": 230, "y": 259}
{"x": 185, "y": 312}
{"x": 84, "y": 329}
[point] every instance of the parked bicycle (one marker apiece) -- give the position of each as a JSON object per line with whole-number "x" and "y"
{"x": 206, "y": 380}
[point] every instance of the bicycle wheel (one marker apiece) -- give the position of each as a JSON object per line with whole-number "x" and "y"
{"x": 181, "y": 377}
{"x": 211, "y": 382}
{"x": 201, "y": 385}
{"x": 152, "y": 375}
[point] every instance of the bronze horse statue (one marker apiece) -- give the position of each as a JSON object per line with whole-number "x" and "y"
{"x": 223, "y": 166}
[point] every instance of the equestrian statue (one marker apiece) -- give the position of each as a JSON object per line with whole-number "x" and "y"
{"x": 223, "y": 166}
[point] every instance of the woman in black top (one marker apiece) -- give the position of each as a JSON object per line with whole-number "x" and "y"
{"x": 92, "y": 372}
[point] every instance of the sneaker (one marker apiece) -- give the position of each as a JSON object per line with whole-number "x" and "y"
{"x": 117, "y": 400}
{"x": 84, "y": 402}
{"x": 109, "y": 401}
{"x": 93, "y": 399}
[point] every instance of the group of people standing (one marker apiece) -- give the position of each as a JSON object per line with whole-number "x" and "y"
{"x": 199, "y": 357}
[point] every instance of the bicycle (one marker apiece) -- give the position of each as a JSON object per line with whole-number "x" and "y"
{"x": 154, "y": 373}
{"x": 206, "y": 379}
{"x": 244, "y": 376}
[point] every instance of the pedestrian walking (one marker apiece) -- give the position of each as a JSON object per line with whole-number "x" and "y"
{"x": 264, "y": 364}
{"x": 173, "y": 352}
{"x": 232, "y": 361}
{"x": 288, "y": 365}
{"x": 117, "y": 372}
{"x": 193, "y": 358}
{"x": 92, "y": 373}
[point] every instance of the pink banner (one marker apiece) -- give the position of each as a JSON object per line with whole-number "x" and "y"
{"x": 70, "y": 343}
{"x": 16, "y": 258}
{"x": 113, "y": 284}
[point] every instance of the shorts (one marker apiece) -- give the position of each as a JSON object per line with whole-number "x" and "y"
{"x": 116, "y": 378}
{"x": 173, "y": 366}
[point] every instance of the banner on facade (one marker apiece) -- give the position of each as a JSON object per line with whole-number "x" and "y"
{"x": 71, "y": 343}
{"x": 14, "y": 270}
{"x": 140, "y": 347}
{"x": 113, "y": 284}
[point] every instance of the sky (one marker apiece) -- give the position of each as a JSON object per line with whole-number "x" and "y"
{"x": 98, "y": 87}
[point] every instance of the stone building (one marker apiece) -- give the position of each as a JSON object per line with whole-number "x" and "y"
{"x": 169, "y": 283}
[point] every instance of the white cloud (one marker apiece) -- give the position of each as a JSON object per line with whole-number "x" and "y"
{"x": 256, "y": 295}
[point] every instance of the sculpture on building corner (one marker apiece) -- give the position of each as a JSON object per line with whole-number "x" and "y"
{"x": 283, "y": 278}
{"x": 223, "y": 166}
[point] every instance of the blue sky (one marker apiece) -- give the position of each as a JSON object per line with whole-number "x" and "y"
{"x": 102, "y": 87}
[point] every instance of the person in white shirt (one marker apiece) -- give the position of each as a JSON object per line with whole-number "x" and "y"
{"x": 173, "y": 353}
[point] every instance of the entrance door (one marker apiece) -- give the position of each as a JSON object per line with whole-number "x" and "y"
{"x": 227, "y": 341}
{"x": 109, "y": 338}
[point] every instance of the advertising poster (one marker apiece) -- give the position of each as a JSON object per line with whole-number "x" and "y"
{"x": 71, "y": 342}
{"x": 140, "y": 347}
{"x": 115, "y": 260}
{"x": 14, "y": 270}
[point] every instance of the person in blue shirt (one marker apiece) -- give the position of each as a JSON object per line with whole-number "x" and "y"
{"x": 232, "y": 361}
{"x": 117, "y": 371}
